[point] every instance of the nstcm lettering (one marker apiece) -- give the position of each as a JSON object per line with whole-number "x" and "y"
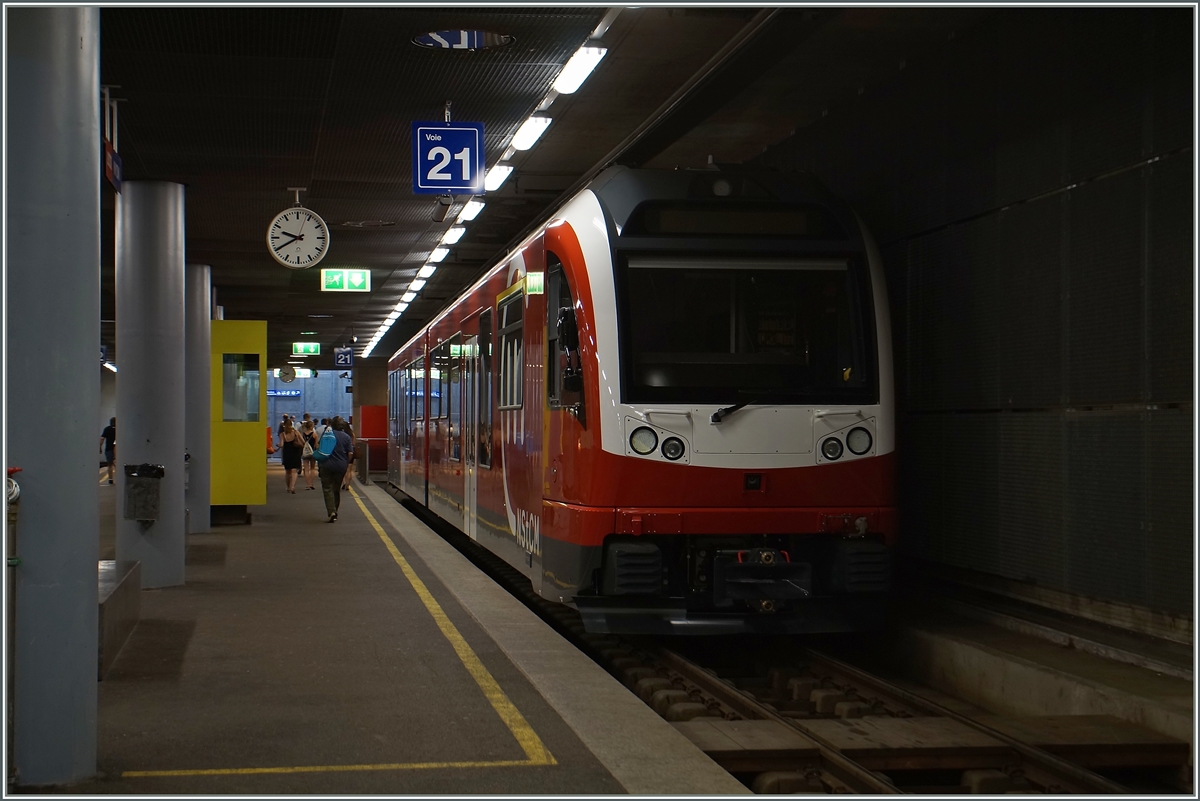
{"x": 433, "y": 137}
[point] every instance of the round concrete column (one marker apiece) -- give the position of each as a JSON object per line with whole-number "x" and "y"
{"x": 53, "y": 351}
{"x": 197, "y": 432}
{"x": 150, "y": 387}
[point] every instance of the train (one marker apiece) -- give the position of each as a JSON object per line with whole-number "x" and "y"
{"x": 671, "y": 406}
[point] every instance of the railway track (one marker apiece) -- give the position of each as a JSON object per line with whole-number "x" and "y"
{"x": 786, "y": 719}
{"x": 879, "y": 737}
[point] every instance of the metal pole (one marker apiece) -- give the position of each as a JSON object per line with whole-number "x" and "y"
{"x": 52, "y": 347}
{"x": 150, "y": 387}
{"x": 198, "y": 395}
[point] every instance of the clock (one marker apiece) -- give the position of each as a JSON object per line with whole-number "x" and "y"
{"x": 287, "y": 374}
{"x": 298, "y": 238}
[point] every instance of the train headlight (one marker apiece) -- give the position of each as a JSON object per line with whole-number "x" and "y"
{"x": 831, "y": 449}
{"x": 858, "y": 441}
{"x": 672, "y": 448}
{"x": 643, "y": 440}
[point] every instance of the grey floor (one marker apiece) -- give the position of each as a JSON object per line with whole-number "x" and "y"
{"x": 299, "y": 646}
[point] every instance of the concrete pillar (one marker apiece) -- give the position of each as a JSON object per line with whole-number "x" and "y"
{"x": 150, "y": 393}
{"x": 197, "y": 433}
{"x": 53, "y": 352}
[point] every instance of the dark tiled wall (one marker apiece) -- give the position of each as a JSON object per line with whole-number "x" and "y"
{"x": 1031, "y": 187}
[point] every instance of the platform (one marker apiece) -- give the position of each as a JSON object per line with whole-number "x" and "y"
{"x": 366, "y": 656}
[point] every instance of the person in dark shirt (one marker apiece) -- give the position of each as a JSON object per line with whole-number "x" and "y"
{"x": 333, "y": 468}
{"x": 108, "y": 441}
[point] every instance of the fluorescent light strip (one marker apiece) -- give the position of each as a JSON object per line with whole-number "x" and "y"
{"x": 454, "y": 234}
{"x": 470, "y": 211}
{"x": 496, "y": 176}
{"x": 438, "y": 254}
{"x": 408, "y": 297}
{"x": 530, "y": 131}
{"x": 417, "y": 285}
{"x": 427, "y": 271}
{"x": 576, "y": 71}
{"x": 111, "y": 366}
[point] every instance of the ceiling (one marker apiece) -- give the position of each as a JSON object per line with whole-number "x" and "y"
{"x": 241, "y": 103}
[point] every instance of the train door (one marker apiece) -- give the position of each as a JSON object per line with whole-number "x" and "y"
{"x": 470, "y": 434}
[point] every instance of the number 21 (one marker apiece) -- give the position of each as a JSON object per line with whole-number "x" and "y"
{"x": 442, "y": 153}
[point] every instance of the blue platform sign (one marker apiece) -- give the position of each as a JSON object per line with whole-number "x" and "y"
{"x": 448, "y": 158}
{"x": 283, "y": 393}
{"x": 343, "y": 357}
{"x": 452, "y": 40}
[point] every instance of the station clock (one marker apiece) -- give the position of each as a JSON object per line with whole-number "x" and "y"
{"x": 298, "y": 238}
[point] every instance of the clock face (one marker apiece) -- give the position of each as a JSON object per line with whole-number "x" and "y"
{"x": 298, "y": 238}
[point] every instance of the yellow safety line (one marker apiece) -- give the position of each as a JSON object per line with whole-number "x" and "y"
{"x": 530, "y": 743}
{"x": 536, "y": 752}
{"x": 325, "y": 768}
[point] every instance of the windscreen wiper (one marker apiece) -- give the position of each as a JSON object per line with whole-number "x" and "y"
{"x": 721, "y": 414}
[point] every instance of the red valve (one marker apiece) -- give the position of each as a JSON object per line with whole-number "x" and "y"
{"x": 12, "y": 470}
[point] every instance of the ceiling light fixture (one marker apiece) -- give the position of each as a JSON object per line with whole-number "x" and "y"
{"x": 452, "y": 235}
{"x": 408, "y": 297}
{"x": 470, "y": 211}
{"x": 417, "y": 285}
{"x": 576, "y": 71}
{"x": 401, "y": 306}
{"x": 111, "y": 366}
{"x": 530, "y": 131}
{"x": 427, "y": 271}
{"x": 438, "y": 254}
{"x": 496, "y": 176}
{"x": 320, "y": 315}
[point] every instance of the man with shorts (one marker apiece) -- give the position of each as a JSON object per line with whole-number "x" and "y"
{"x": 108, "y": 441}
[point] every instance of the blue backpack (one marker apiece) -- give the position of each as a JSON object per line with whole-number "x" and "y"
{"x": 325, "y": 445}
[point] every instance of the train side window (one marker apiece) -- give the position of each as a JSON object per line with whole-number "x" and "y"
{"x": 452, "y": 405}
{"x": 393, "y": 407}
{"x": 564, "y": 381}
{"x": 512, "y": 351}
{"x": 438, "y": 364}
{"x": 485, "y": 389}
{"x": 417, "y": 384}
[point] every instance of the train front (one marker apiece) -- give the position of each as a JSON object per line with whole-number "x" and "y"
{"x": 734, "y": 343}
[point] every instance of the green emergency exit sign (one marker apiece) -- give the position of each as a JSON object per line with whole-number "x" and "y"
{"x": 345, "y": 280}
{"x": 306, "y": 348}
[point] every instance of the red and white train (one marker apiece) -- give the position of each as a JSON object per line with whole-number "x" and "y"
{"x": 671, "y": 406}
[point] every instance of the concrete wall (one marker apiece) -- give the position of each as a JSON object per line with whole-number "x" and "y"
{"x": 370, "y": 385}
{"x": 1030, "y": 183}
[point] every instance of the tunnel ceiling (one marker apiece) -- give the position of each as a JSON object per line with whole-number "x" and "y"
{"x": 238, "y": 104}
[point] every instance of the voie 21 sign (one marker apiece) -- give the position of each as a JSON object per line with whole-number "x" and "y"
{"x": 448, "y": 158}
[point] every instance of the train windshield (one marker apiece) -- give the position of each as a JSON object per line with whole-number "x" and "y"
{"x": 704, "y": 330}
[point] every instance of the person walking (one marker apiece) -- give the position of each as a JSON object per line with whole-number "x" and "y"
{"x": 309, "y": 432}
{"x": 108, "y": 441}
{"x": 293, "y": 446}
{"x": 333, "y": 469}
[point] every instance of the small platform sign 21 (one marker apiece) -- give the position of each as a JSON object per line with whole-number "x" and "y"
{"x": 448, "y": 158}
